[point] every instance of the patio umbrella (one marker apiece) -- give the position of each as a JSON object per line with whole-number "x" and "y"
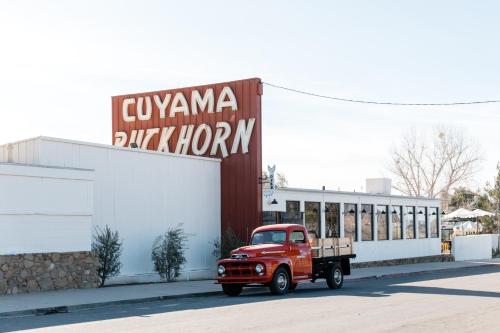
{"x": 480, "y": 212}
{"x": 460, "y": 213}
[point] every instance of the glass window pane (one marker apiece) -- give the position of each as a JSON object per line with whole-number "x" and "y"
{"x": 382, "y": 223}
{"x": 332, "y": 216}
{"x": 433, "y": 220}
{"x": 350, "y": 221}
{"x": 410, "y": 222}
{"x": 298, "y": 237}
{"x": 268, "y": 218}
{"x": 312, "y": 218}
{"x": 397, "y": 222}
{"x": 292, "y": 214}
{"x": 422, "y": 222}
{"x": 366, "y": 222}
{"x": 293, "y": 206}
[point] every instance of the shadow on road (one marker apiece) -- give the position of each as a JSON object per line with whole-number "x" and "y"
{"x": 384, "y": 287}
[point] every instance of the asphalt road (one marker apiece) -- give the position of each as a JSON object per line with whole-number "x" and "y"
{"x": 466, "y": 300}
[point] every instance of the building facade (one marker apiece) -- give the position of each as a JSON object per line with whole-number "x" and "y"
{"x": 58, "y": 191}
{"x": 382, "y": 226}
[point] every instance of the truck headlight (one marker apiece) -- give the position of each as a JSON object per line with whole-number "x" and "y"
{"x": 259, "y": 268}
{"x": 221, "y": 269}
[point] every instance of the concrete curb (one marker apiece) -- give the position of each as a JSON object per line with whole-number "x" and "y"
{"x": 88, "y": 306}
{"x": 396, "y": 275}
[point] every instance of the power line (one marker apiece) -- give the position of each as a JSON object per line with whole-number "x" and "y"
{"x": 378, "y": 102}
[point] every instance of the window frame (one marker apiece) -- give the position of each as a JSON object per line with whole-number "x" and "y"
{"x": 336, "y": 232}
{"x": 399, "y": 212}
{"x": 426, "y": 221}
{"x": 372, "y": 227}
{"x": 436, "y": 210}
{"x": 386, "y": 208}
{"x": 318, "y": 229}
{"x": 414, "y": 224}
{"x": 346, "y": 213}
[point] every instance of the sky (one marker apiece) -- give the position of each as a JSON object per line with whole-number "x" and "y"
{"x": 61, "y": 61}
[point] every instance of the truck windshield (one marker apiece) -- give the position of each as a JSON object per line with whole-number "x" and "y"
{"x": 269, "y": 237}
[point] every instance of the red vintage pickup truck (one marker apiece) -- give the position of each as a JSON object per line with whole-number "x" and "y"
{"x": 282, "y": 255}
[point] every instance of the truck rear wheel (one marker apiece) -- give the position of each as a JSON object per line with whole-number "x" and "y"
{"x": 232, "y": 289}
{"x": 335, "y": 276}
{"x": 281, "y": 282}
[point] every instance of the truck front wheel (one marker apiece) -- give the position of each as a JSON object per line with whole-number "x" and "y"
{"x": 335, "y": 276}
{"x": 281, "y": 282}
{"x": 232, "y": 289}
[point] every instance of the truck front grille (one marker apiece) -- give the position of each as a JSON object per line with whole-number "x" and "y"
{"x": 240, "y": 269}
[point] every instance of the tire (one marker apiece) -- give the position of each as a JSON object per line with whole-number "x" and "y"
{"x": 281, "y": 282}
{"x": 232, "y": 289}
{"x": 335, "y": 276}
{"x": 293, "y": 286}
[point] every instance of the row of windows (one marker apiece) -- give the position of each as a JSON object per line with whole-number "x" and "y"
{"x": 416, "y": 220}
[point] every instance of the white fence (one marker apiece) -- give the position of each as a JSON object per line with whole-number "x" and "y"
{"x": 494, "y": 242}
{"x": 472, "y": 247}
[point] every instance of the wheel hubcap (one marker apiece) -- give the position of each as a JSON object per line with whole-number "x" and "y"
{"x": 282, "y": 281}
{"x": 337, "y": 276}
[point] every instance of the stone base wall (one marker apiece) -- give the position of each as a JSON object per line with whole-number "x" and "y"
{"x": 403, "y": 261}
{"x": 25, "y": 273}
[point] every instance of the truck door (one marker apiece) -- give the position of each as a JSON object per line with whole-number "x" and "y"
{"x": 300, "y": 254}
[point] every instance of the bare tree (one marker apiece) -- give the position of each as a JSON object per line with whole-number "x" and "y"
{"x": 280, "y": 180}
{"x": 432, "y": 166}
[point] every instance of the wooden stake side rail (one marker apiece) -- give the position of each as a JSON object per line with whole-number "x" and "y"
{"x": 332, "y": 247}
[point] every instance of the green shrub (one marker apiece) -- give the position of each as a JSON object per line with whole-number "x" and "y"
{"x": 229, "y": 241}
{"x": 106, "y": 243}
{"x": 168, "y": 253}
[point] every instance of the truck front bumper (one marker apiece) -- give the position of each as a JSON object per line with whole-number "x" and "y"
{"x": 240, "y": 271}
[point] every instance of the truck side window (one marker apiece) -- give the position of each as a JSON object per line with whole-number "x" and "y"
{"x": 298, "y": 237}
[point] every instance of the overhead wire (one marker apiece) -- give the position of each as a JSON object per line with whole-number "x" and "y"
{"x": 362, "y": 101}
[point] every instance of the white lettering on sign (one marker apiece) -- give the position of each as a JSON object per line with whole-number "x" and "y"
{"x": 141, "y": 115}
{"x": 208, "y": 137}
{"x": 207, "y": 102}
{"x": 162, "y": 106}
{"x": 126, "y": 102}
{"x": 179, "y": 104}
{"x": 166, "y": 133}
{"x": 190, "y": 135}
{"x": 150, "y": 132}
{"x": 199, "y": 139}
{"x": 175, "y": 107}
{"x": 120, "y": 139}
{"x": 231, "y": 102}
{"x": 242, "y": 134}
{"x": 184, "y": 139}
{"x": 223, "y": 132}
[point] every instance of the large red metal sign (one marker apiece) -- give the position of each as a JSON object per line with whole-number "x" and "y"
{"x": 217, "y": 120}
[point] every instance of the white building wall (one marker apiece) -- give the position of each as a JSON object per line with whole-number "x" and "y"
{"x": 45, "y": 209}
{"x": 365, "y": 250}
{"x": 142, "y": 194}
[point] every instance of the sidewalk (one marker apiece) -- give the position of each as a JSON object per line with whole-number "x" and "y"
{"x": 75, "y": 299}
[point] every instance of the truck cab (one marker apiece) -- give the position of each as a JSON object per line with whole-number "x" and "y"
{"x": 282, "y": 255}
